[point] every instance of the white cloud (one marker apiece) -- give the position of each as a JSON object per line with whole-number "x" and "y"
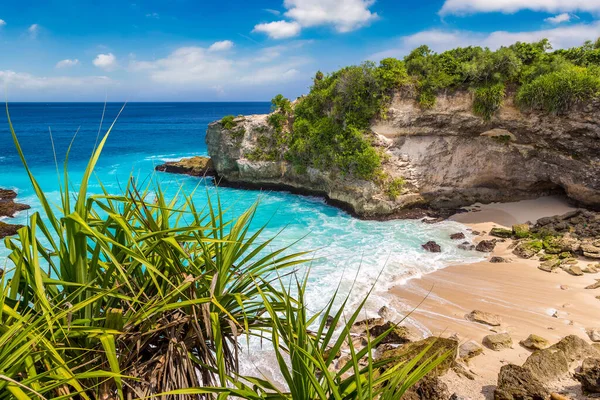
{"x": 24, "y": 81}
{"x": 33, "y": 31}
{"x": 279, "y": 29}
{"x": 221, "y": 46}
{"x": 67, "y": 63}
{"x": 440, "y": 40}
{"x": 2, "y": 22}
{"x": 107, "y": 62}
{"x": 201, "y": 68}
{"x": 560, "y": 18}
{"x": 343, "y": 15}
{"x": 153, "y": 15}
{"x": 511, "y": 6}
{"x": 271, "y": 11}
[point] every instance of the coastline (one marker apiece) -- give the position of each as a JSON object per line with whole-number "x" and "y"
{"x": 528, "y": 300}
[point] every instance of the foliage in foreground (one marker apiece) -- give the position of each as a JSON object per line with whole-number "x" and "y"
{"x": 331, "y": 126}
{"x": 133, "y": 295}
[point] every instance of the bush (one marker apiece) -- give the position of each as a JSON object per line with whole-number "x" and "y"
{"x": 228, "y": 122}
{"x": 395, "y": 187}
{"x": 488, "y": 100}
{"x": 558, "y": 91}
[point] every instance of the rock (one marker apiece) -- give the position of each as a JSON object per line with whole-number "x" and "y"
{"x": 568, "y": 244}
{"x": 468, "y": 246}
{"x": 528, "y": 249}
{"x": 456, "y": 396}
{"x": 548, "y": 364}
{"x": 194, "y": 166}
{"x": 558, "y": 396}
{"x": 521, "y": 230}
{"x": 497, "y": 260}
{"x": 486, "y": 246}
{"x": 594, "y": 285}
{"x": 549, "y": 265}
{"x": 574, "y": 270}
{"x": 590, "y": 269}
{"x": 398, "y": 335}
{"x": 546, "y": 257}
{"x": 8, "y": 208}
{"x": 361, "y": 326}
{"x": 595, "y": 256}
{"x": 428, "y": 388}
{"x": 564, "y": 254}
{"x": 569, "y": 261}
{"x": 517, "y": 383}
{"x": 385, "y": 312}
{"x": 534, "y": 342}
{"x": 590, "y": 248}
{"x": 575, "y": 348}
{"x": 564, "y": 287}
{"x": 498, "y": 341}
{"x": 594, "y": 334}
{"x": 468, "y": 350}
{"x": 484, "y": 318}
{"x": 439, "y": 346}
{"x": 457, "y": 236}
{"x": 8, "y": 229}
{"x": 589, "y": 375}
{"x": 432, "y": 247}
{"x": 501, "y": 233}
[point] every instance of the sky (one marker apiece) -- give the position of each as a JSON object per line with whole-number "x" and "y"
{"x": 234, "y": 50}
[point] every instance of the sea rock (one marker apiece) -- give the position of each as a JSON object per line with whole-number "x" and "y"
{"x": 398, "y": 335}
{"x": 501, "y": 233}
{"x": 466, "y": 246}
{"x": 534, "y": 342}
{"x": 432, "y": 247}
{"x": 498, "y": 341}
{"x": 497, "y": 260}
{"x": 518, "y": 383}
{"x": 484, "y": 318}
{"x": 8, "y": 229}
{"x": 469, "y": 349}
{"x": 549, "y": 265}
{"x": 194, "y": 166}
{"x": 438, "y": 346}
{"x": 486, "y": 246}
{"x": 594, "y": 334}
{"x": 548, "y": 364}
{"x": 361, "y": 326}
{"x": 527, "y": 249}
{"x": 574, "y": 270}
{"x": 8, "y": 208}
{"x": 521, "y": 230}
{"x": 457, "y": 236}
{"x": 589, "y": 375}
{"x": 386, "y": 313}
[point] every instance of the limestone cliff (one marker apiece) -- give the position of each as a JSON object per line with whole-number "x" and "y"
{"x": 448, "y": 157}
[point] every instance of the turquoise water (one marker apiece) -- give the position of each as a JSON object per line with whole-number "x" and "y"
{"x": 148, "y": 134}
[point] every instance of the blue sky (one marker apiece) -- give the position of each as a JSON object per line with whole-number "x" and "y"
{"x": 192, "y": 50}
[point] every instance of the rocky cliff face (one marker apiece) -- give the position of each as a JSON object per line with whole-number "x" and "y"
{"x": 448, "y": 156}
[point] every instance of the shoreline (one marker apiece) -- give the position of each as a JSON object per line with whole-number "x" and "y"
{"x": 529, "y": 301}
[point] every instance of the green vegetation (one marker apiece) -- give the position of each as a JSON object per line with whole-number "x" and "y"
{"x": 133, "y": 295}
{"x": 395, "y": 187}
{"x": 228, "y": 122}
{"x": 329, "y": 128}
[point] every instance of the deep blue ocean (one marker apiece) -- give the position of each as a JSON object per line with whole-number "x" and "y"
{"x": 147, "y": 134}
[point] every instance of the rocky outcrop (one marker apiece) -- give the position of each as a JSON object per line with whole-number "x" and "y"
{"x": 447, "y": 156}
{"x": 194, "y": 166}
{"x": 8, "y": 208}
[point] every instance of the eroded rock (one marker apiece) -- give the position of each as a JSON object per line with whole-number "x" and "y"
{"x": 483, "y": 317}
{"x": 534, "y": 342}
{"x": 498, "y": 341}
{"x": 486, "y": 246}
{"x": 432, "y": 247}
{"x": 589, "y": 375}
{"x": 457, "y": 236}
{"x": 398, "y": 335}
{"x": 194, "y": 166}
{"x": 518, "y": 383}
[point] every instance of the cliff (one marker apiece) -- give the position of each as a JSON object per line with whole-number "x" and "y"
{"x": 447, "y": 156}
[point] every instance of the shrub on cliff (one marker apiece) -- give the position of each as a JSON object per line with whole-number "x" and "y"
{"x": 488, "y": 99}
{"x": 558, "y": 91}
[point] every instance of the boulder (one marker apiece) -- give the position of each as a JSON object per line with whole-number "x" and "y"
{"x": 568, "y": 244}
{"x": 497, "y": 260}
{"x": 468, "y": 350}
{"x": 590, "y": 269}
{"x": 573, "y": 270}
{"x": 439, "y": 346}
{"x": 361, "y": 326}
{"x": 501, "y": 233}
{"x": 457, "y": 236}
{"x": 517, "y": 383}
{"x": 194, "y": 166}
{"x": 594, "y": 334}
{"x": 590, "y": 248}
{"x": 548, "y": 364}
{"x": 8, "y": 229}
{"x": 528, "y": 249}
{"x": 498, "y": 341}
{"x": 549, "y": 265}
{"x": 385, "y": 312}
{"x": 398, "y": 334}
{"x": 428, "y": 388}
{"x": 575, "y": 348}
{"x": 589, "y": 375}
{"x": 534, "y": 342}
{"x": 486, "y": 246}
{"x": 484, "y": 318}
{"x": 468, "y": 246}
{"x": 595, "y": 256}
{"x": 432, "y": 247}
{"x": 521, "y": 230}
{"x": 594, "y": 285}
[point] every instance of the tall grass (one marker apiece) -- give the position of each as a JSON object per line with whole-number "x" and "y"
{"x": 135, "y": 295}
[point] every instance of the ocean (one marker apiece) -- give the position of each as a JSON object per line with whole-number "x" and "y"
{"x": 148, "y": 134}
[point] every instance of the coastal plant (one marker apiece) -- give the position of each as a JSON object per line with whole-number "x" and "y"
{"x": 395, "y": 187}
{"x": 228, "y": 122}
{"x": 487, "y": 100}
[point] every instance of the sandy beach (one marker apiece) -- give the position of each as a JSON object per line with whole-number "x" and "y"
{"x": 529, "y": 301}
